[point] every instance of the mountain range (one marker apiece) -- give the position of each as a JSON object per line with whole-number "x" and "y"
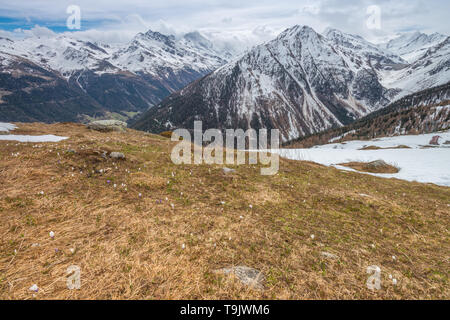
{"x": 301, "y": 83}
{"x": 66, "y": 79}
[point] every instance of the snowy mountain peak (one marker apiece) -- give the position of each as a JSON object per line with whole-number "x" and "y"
{"x": 299, "y": 32}
{"x": 157, "y": 36}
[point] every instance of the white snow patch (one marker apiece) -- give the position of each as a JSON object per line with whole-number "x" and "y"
{"x": 426, "y": 165}
{"x": 5, "y": 127}
{"x": 23, "y": 138}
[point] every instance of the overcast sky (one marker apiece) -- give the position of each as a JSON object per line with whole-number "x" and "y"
{"x": 250, "y": 21}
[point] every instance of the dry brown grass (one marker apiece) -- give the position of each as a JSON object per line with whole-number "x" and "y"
{"x": 130, "y": 247}
{"x": 368, "y": 167}
{"x": 370, "y": 148}
{"x": 379, "y": 148}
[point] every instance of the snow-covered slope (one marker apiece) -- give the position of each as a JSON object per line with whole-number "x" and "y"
{"x": 411, "y": 46}
{"x": 152, "y": 52}
{"x": 146, "y": 53}
{"x": 431, "y": 69}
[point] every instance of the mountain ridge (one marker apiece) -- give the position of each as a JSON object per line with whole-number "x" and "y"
{"x": 114, "y": 79}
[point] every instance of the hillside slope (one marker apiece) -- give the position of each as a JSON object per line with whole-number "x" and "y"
{"x": 140, "y": 247}
{"x": 423, "y": 112}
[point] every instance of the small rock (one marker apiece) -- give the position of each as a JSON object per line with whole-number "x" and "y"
{"x": 228, "y": 170}
{"x": 34, "y": 288}
{"x": 329, "y": 255}
{"x": 435, "y": 140}
{"x": 117, "y": 155}
{"x": 107, "y": 125}
{"x": 248, "y": 276}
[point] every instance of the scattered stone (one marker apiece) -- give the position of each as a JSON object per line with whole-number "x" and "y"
{"x": 435, "y": 140}
{"x": 228, "y": 170}
{"x": 329, "y": 255}
{"x": 248, "y": 276}
{"x": 117, "y": 155}
{"x": 378, "y": 163}
{"x": 34, "y": 288}
{"x": 107, "y": 125}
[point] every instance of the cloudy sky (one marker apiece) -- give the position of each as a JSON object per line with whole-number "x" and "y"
{"x": 245, "y": 21}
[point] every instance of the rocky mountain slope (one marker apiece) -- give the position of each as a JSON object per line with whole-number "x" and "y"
{"x": 423, "y": 112}
{"x": 302, "y": 82}
{"x": 106, "y": 78}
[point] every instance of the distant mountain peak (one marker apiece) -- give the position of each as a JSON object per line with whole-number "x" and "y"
{"x": 155, "y": 35}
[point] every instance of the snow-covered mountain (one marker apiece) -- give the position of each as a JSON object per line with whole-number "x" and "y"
{"x": 432, "y": 68}
{"x": 301, "y": 82}
{"x": 410, "y": 46}
{"x": 117, "y": 78}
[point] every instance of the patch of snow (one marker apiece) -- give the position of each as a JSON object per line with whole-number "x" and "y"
{"x": 6, "y": 127}
{"x": 412, "y": 141}
{"x": 24, "y": 138}
{"x": 426, "y": 165}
